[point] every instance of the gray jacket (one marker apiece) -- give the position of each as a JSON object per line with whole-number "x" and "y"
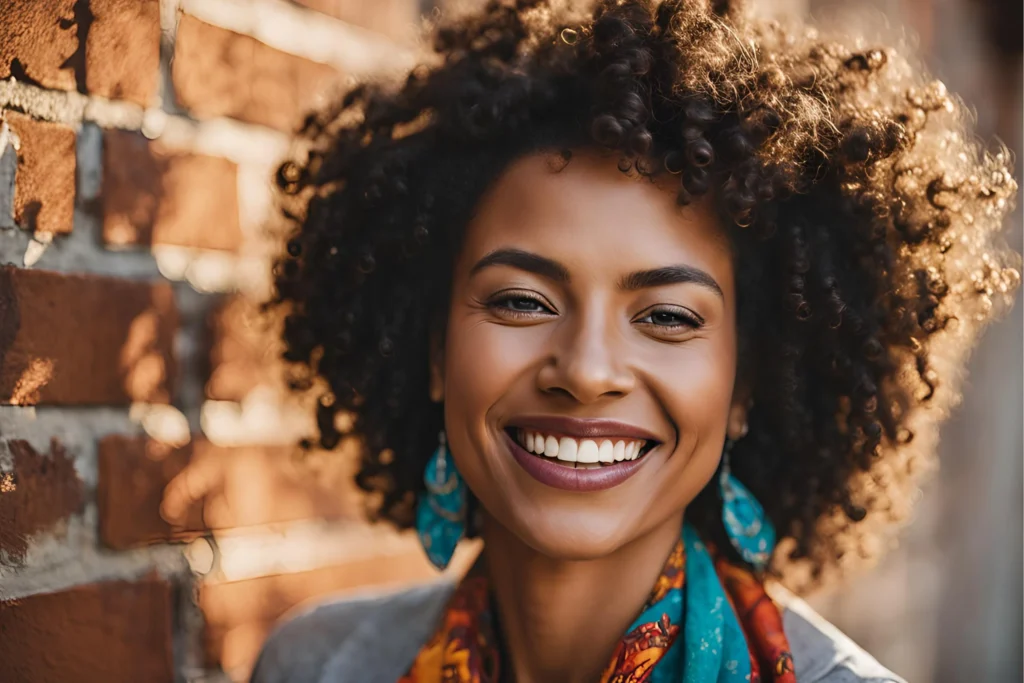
{"x": 374, "y": 639}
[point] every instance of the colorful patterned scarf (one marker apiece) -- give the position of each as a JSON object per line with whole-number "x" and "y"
{"x": 696, "y": 596}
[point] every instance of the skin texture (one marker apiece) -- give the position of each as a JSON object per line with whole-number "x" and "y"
{"x": 519, "y": 343}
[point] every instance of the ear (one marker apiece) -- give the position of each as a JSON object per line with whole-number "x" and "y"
{"x": 436, "y": 360}
{"x": 736, "y": 426}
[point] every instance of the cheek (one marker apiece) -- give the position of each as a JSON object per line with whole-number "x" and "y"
{"x": 484, "y": 362}
{"x": 695, "y": 387}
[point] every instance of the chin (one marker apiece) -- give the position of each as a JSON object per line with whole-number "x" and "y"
{"x": 574, "y": 537}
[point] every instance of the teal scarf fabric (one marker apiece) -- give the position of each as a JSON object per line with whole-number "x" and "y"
{"x": 688, "y": 632}
{"x": 714, "y": 647}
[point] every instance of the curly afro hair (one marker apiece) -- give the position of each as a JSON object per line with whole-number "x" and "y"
{"x": 865, "y": 221}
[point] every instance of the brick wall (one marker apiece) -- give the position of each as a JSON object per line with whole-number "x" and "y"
{"x": 155, "y": 518}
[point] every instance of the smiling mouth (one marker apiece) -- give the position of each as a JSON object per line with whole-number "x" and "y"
{"x": 578, "y": 453}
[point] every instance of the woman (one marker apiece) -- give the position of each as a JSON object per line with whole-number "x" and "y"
{"x": 660, "y": 301}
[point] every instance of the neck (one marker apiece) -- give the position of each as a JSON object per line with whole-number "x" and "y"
{"x": 562, "y": 619}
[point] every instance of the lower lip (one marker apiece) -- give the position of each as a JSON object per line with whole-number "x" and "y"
{"x": 549, "y": 473}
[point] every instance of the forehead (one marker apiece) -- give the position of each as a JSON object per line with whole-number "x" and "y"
{"x": 590, "y": 215}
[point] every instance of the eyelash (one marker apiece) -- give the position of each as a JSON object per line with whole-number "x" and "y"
{"x": 502, "y": 301}
{"x": 690, "y": 320}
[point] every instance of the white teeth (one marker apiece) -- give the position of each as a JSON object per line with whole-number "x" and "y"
{"x": 588, "y": 451}
{"x": 567, "y": 449}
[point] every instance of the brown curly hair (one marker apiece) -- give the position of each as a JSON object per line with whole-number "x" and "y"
{"x": 865, "y": 222}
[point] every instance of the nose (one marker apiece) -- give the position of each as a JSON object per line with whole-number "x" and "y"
{"x": 587, "y": 363}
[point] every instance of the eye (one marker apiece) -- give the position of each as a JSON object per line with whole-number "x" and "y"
{"x": 518, "y": 304}
{"x": 523, "y": 304}
{"x": 670, "y": 319}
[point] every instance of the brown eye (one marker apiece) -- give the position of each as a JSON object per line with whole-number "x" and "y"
{"x": 671, "y": 319}
{"x": 519, "y": 305}
{"x": 524, "y": 305}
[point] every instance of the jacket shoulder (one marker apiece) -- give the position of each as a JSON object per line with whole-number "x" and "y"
{"x": 821, "y": 652}
{"x": 376, "y": 634}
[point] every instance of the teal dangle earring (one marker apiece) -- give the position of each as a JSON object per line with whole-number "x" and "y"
{"x": 746, "y": 524}
{"x": 441, "y": 511}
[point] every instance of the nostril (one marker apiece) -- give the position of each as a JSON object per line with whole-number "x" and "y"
{"x": 559, "y": 391}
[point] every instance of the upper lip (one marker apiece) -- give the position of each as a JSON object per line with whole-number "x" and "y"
{"x": 581, "y": 428}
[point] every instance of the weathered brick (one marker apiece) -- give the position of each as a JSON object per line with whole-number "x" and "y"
{"x": 396, "y": 19}
{"x": 132, "y": 474}
{"x": 42, "y": 489}
{"x": 99, "y": 633}
{"x": 240, "y": 614}
{"x": 122, "y": 53}
{"x": 41, "y": 42}
{"x": 244, "y": 352}
{"x": 202, "y": 487}
{"x": 44, "y": 190}
{"x": 83, "y": 339}
{"x": 220, "y": 73}
{"x": 153, "y": 195}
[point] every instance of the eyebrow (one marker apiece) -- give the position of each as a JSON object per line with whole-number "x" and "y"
{"x": 523, "y": 260}
{"x": 553, "y": 270}
{"x": 670, "y": 275}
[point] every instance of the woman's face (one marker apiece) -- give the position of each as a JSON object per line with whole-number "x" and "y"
{"x": 593, "y": 320}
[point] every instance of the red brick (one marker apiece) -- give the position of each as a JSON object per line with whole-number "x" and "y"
{"x": 203, "y": 487}
{"x": 83, "y": 339}
{"x": 122, "y": 51}
{"x": 39, "y": 42}
{"x": 132, "y": 476}
{"x": 43, "y": 489}
{"x": 245, "y": 351}
{"x": 116, "y": 632}
{"x": 153, "y": 195}
{"x": 396, "y": 19}
{"x": 240, "y": 614}
{"x": 44, "y": 190}
{"x": 220, "y": 73}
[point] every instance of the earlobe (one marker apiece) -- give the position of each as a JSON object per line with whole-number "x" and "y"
{"x": 736, "y": 426}
{"x": 436, "y": 383}
{"x": 436, "y": 371}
